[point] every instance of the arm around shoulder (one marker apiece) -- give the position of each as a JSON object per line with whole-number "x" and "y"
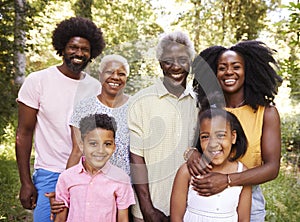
{"x": 270, "y": 151}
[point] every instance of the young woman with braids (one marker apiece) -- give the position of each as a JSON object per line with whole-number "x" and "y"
{"x": 248, "y": 80}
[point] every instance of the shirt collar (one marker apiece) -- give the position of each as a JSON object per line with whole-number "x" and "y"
{"x": 162, "y": 90}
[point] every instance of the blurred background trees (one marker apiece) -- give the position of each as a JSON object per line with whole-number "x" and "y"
{"x": 131, "y": 28}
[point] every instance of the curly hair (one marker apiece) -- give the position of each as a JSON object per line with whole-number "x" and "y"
{"x": 80, "y": 27}
{"x": 94, "y": 121}
{"x": 261, "y": 80}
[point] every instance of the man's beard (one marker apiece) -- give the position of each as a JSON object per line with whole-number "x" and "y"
{"x": 76, "y": 68}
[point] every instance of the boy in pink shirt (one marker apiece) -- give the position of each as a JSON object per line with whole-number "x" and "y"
{"x": 95, "y": 190}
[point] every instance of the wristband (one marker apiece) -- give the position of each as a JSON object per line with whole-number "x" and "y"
{"x": 228, "y": 181}
{"x": 186, "y": 155}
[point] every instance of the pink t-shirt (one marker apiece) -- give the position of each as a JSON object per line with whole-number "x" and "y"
{"x": 94, "y": 197}
{"x": 54, "y": 95}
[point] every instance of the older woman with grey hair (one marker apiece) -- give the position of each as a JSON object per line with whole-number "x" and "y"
{"x": 113, "y": 73}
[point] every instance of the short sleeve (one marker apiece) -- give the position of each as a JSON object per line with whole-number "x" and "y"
{"x": 30, "y": 91}
{"x": 124, "y": 196}
{"x": 77, "y": 114}
{"x": 61, "y": 191}
{"x": 84, "y": 108}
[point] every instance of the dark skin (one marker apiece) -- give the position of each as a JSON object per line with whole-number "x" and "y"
{"x": 114, "y": 72}
{"x": 175, "y": 64}
{"x": 27, "y": 117}
{"x": 213, "y": 183}
{"x": 24, "y": 136}
{"x": 231, "y": 66}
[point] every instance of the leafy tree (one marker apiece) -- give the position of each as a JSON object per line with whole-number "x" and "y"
{"x": 289, "y": 31}
{"x": 83, "y": 8}
{"x": 8, "y": 89}
{"x": 130, "y": 30}
{"x": 225, "y": 22}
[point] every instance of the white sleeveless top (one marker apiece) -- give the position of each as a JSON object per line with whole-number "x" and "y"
{"x": 220, "y": 207}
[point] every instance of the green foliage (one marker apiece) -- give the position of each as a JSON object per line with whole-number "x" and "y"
{"x": 130, "y": 30}
{"x": 8, "y": 90}
{"x": 10, "y": 207}
{"x": 288, "y": 30}
{"x": 245, "y": 17}
{"x": 83, "y": 8}
{"x": 283, "y": 197}
{"x": 290, "y": 137}
{"x": 229, "y": 21}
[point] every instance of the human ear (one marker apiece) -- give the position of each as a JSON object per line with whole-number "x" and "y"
{"x": 234, "y": 136}
{"x": 80, "y": 144}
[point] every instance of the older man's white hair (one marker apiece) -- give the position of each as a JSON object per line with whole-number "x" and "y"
{"x": 175, "y": 37}
{"x": 116, "y": 58}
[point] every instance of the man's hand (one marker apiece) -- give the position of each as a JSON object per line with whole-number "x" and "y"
{"x": 28, "y": 196}
{"x": 209, "y": 184}
{"x": 155, "y": 215}
{"x": 56, "y": 206}
{"x": 198, "y": 164}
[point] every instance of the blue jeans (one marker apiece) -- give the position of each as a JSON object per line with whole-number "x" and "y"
{"x": 258, "y": 211}
{"x": 45, "y": 182}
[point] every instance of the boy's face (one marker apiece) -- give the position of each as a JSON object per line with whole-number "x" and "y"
{"x": 98, "y": 146}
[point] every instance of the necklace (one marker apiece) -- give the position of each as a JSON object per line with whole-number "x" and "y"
{"x": 238, "y": 105}
{"x": 241, "y": 103}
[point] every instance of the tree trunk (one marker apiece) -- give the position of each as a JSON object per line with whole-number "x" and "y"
{"x": 19, "y": 41}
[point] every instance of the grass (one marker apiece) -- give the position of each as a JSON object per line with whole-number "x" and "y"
{"x": 283, "y": 196}
{"x": 10, "y": 207}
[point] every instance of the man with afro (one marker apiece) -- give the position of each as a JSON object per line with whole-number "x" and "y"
{"x": 45, "y": 104}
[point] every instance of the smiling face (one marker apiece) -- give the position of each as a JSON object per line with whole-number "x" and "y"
{"x": 98, "y": 146}
{"x": 175, "y": 63}
{"x": 77, "y": 54}
{"x": 216, "y": 139}
{"x": 113, "y": 78}
{"x": 231, "y": 72}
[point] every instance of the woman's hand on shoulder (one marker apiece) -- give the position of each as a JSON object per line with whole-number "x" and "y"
{"x": 198, "y": 164}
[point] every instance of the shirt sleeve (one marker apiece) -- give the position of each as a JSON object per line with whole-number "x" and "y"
{"x": 30, "y": 91}
{"x": 124, "y": 196}
{"x": 76, "y": 115}
{"x": 61, "y": 191}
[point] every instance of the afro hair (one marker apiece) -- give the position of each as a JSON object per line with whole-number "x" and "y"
{"x": 78, "y": 27}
